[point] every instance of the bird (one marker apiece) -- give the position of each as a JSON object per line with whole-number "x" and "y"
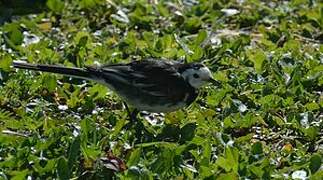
{"x": 156, "y": 86}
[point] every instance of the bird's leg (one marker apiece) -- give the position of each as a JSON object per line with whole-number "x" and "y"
{"x": 133, "y": 121}
{"x": 132, "y": 114}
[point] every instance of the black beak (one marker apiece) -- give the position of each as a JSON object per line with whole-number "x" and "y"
{"x": 214, "y": 82}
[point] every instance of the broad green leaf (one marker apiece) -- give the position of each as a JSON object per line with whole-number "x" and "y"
{"x": 98, "y": 91}
{"x": 63, "y": 169}
{"x": 55, "y": 5}
{"x": 312, "y": 106}
{"x": 228, "y": 176}
{"x": 215, "y": 97}
{"x": 258, "y": 57}
{"x": 13, "y": 35}
{"x": 205, "y": 171}
{"x": 258, "y": 171}
{"x": 197, "y": 54}
{"x": 49, "y": 81}
{"x": 315, "y": 163}
{"x": 221, "y": 76}
{"x": 206, "y": 155}
{"x": 88, "y": 3}
{"x": 232, "y": 156}
{"x": 257, "y": 148}
{"x": 5, "y": 62}
{"x": 192, "y": 25}
{"x": 134, "y": 157}
{"x": 163, "y": 10}
{"x": 311, "y": 132}
{"x": 82, "y": 39}
{"x": 224, "y": 163}
{"x": 18, "y": 175}
{"x": 74, "y": 153}
{"x": 317, "y": 176}
{"x": 188, "y": 132}
{"x": 201, "y": 36}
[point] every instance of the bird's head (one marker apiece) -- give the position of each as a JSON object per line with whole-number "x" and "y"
{"x": 197, "y": 75}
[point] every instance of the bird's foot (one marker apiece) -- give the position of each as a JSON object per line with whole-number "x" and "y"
{"x": 133, "y": 115}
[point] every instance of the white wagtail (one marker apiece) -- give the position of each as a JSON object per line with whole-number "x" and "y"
{"x": 147, "y": 85}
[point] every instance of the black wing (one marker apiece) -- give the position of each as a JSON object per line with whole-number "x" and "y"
{"x": 150, "y": 78}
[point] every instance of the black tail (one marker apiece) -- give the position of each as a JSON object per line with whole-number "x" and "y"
{"x": 68, "y": 71}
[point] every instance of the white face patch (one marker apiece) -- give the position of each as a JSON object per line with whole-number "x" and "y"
{"x": 197, "y": 77}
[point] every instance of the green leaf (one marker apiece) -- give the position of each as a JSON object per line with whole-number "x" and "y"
{"x": 230, "y": 161}
{"x": 206, "y": 155}
{"x": 221, "y": 76}
{"x": 5, "y": 62}
{"x": 98, "y": 91}
{"x": 270, "y": 101}
{"x": 49, "y": 81}
{"x": 315, "y": 163}
{"x": 88, "y": 3}
{"x": 86, "y": 127}
{"x": 224, "y": 163}
{"x": 311, "y": 132}
{"x": 134, "y": 157}
{"x": 162, "y": 10}
{"x": 19, "y": 175}
{"x": 257, "y": 148}
{"x": 167, "y": 41}
{"x": 215, "y": 97}
{"x": 312, "y": 106}
{"x": 74, "y": 98}
{"x": 258, "y": 57}
{"x": 293, "y": 46}
{"x": 197, "y": 54}
{"x": 55, "y": 5}
{"x": 164, "y": 161}
{"x": 170, "y": 131}
{"x": 73, "y": 153}
{"x": 14, "y": 33}
{"x": 228, "y": 176}
{"x": 258, "y": 171}
{"x": 232, "y": 155}
{"x": 188, "y": 132}
{"x": 82, "y": 39}
{"x": 192, "y": 25}
{"x": 205, "y": 171}
{"x": 201, "y": 36}
{"x": 317, "y": 176}
{"x": 63, "y": 169}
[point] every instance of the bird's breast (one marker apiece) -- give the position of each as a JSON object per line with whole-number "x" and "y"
{"x": 161, "y": 104}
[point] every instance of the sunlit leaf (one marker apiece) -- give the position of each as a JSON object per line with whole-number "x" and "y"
{"x": 5, "y": 62}
{"x": 55, "y": 5}
{"x": 315, "y": 163}
{"x": 258, "y": 58}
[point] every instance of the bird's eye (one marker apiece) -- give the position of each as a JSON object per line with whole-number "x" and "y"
{"x": 196, "y": 76}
